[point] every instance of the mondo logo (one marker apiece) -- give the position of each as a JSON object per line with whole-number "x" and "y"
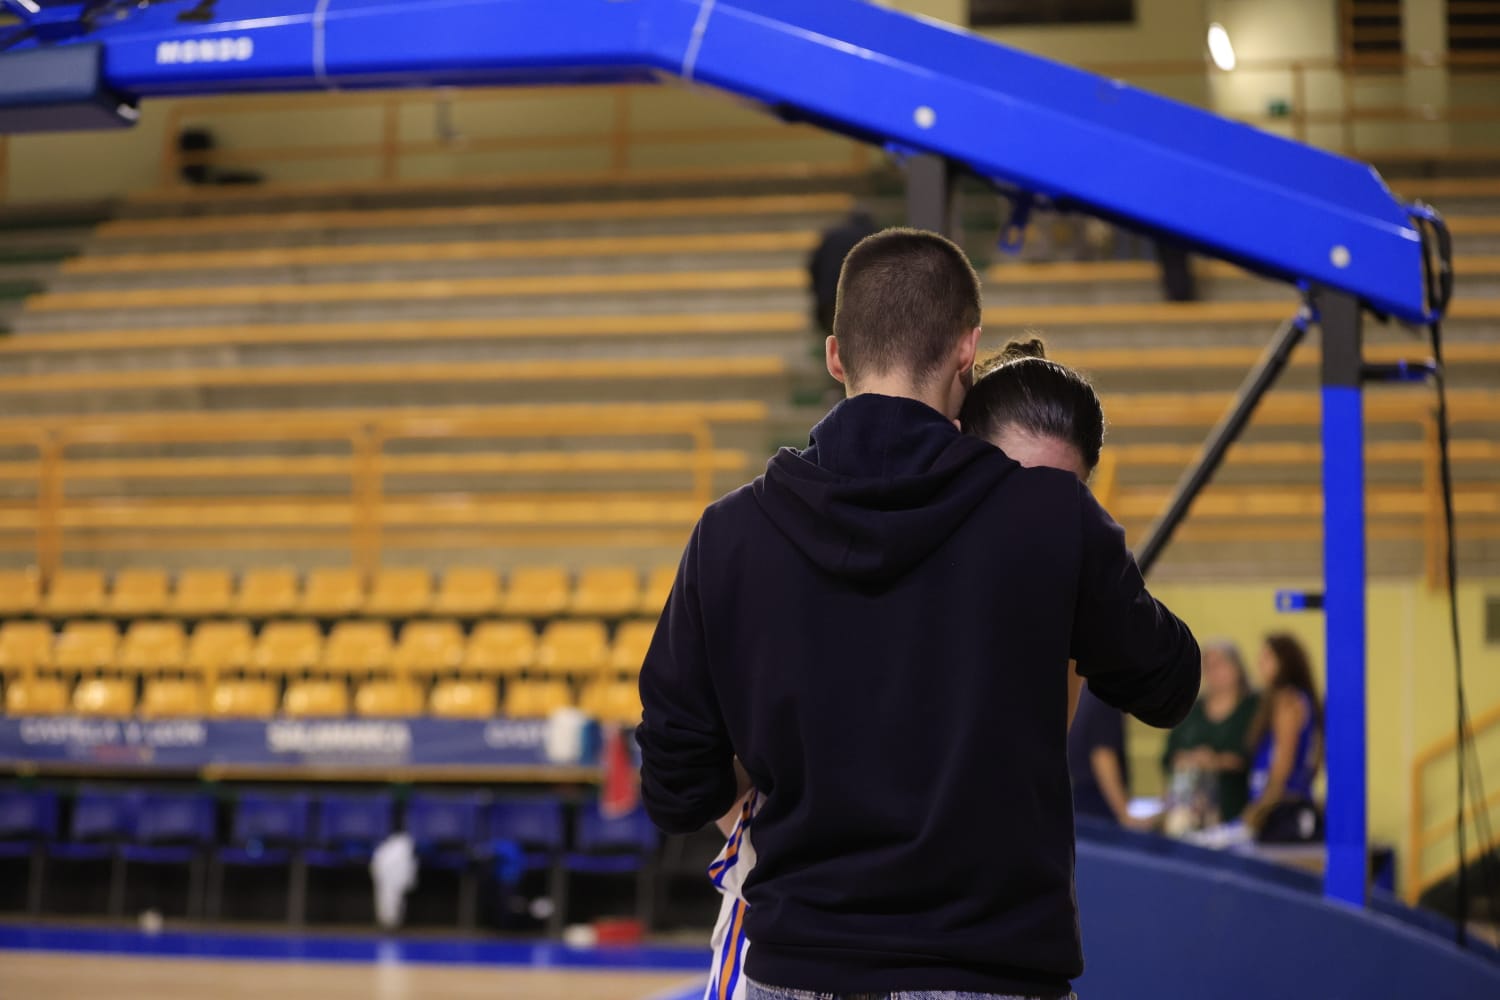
{"x": 206, "y": 50}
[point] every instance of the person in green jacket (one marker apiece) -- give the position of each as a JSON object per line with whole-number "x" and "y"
{"x": 1213, "y": 736}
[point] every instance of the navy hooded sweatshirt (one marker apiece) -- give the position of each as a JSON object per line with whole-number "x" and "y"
{"x": 879, "y": 628}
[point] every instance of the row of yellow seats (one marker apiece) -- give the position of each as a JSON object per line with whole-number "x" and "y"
{"x": 465, "y": 592}
{"x": 425, "y": 648}
{"x": 611, "y": 700}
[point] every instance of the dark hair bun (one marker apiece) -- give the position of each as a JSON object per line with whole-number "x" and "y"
{"x": 1018, "y": 349}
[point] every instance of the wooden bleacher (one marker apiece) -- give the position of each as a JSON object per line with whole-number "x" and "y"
{"x": 249, "y": 311}
{"x": 796, "y": 241}
{"x": 484, "y": 215}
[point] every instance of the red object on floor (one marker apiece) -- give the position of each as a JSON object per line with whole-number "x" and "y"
{"x": 619, "y": 932}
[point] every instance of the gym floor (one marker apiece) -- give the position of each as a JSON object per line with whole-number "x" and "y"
{"x": 57, "y": 963}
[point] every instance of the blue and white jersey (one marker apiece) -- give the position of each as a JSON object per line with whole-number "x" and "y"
{"x": 728, "y": 873}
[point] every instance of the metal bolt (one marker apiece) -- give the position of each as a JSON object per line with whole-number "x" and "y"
{"x": 925, "y": 117}
{"x": 1340, "y": 256}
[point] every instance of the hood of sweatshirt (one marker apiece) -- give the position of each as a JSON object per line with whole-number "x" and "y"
{"x": 883, "y": 482}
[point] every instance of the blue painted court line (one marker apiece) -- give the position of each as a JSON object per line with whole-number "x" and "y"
{"x": 317, "y": 948}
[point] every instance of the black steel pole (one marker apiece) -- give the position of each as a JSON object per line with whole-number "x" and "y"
{"x": 1197, "y": 476}
{"x": 930, "y": 192}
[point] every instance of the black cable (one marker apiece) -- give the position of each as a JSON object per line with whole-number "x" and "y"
{"x": 1440, "y": 290}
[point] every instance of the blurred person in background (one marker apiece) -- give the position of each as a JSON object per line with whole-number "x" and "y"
{"x": 827, "y": 262}
{"x": 1214, "y": 737}
{"x": 1286, "y": 746}
{"x": 1098, "y": 764}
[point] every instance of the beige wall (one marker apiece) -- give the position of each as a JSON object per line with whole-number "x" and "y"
{"x": 1410, "y": 682}
{"x": 1166, "y": 31}
{"x": 1277, "y": 30}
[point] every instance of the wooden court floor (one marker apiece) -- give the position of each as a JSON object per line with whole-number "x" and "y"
{"x": 66, "y": 976}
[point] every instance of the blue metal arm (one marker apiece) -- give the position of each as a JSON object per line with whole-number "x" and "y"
{"x": 1278, "y": 207}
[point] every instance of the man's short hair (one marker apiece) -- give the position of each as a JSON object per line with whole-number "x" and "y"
{"x": 906, "y": 298}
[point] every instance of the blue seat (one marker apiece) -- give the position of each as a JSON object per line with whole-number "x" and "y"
{"x": 529, "y": 835}
{"x": 28, "y": 821}
{"x": 348, "y": 829}
{"x": 612, "y": 845}
{"x": 447, "y": 829}
{"x": 268, "y": 832}
{"x": 537, "y": 827}
{"x": 100, "y": 822}
{"x": 172, "y": 830}
{"x": 623, "y": 845}
{"x": 449, "y": 834}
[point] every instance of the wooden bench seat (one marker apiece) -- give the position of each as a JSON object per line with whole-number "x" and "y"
{"x": 795, "y": 241}
{"x": 428, "y": 290}
{"x": 445, "y": 372}
{"x": 483, "y": 215}
{"x": 629, "y": 327}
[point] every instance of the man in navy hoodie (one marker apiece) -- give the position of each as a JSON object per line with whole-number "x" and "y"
{"x": 878, "y": 629}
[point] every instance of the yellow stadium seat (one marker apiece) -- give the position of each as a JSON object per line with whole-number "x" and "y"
{"x": 287, "y": 648}
{"x": 616, "y": 702}
{"x": 537, "y": 592}
{"x": 75, "y": 592}
{"x": 502, "y": 648}
{"x": 20, "y": 591}
{"x": 629, "y": 649}
{"x": 104, "y": 697}
{"x": 461, "y": 699}
{"x": 38, "y": 696}
{"x": 266, "y": 592}
{"x": 536, "y": 699}
{"x": 152, "y": 646}
{"x": 468, "y": 592}
{"x": 138, "y": 592}
{"x": 220, "y": 647}
{"x": 25, "y": 646}
{"x": 358, "y": 648}
{"x": 388, "y": 699}
{"x": 573, "y": 648}
{"x": 429, "y": 647}
{"x": 607, "y": 591}
{"x": 243, "y": 699}
{"x": 173, "y": 698}
{"x": 85, "y": 646}
{"x": 400, "y": 593}
{"x": 202, "y": 593}
{"x": 332, "y": 593}
{"x": 658, "y": 589}
{"x": 317, "y": 699}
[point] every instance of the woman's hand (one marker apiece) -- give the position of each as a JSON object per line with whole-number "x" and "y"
{"x": 1196, "y": 758}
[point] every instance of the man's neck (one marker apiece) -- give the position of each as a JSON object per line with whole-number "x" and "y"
{"x": 903, "y": 389}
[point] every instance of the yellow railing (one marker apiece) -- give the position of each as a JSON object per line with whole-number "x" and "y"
{"x": 1333, "y": 118}
{"x": 1321, "y": 98}
{"x": 388, "y": 146}
{"x": 86, "y": 503}
{"x": 1427, "y": 831}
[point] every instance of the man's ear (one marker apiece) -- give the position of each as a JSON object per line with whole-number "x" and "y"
{"x": 835, "y": 363}
{"x": 968, "y": 350}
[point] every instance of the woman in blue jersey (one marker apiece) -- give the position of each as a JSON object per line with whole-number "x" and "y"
{"x": 1286, "y": 744}
{"x": 1038, "y": 412}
